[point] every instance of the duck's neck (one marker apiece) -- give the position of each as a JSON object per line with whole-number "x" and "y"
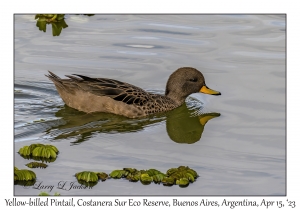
{"x": 177, "y": 100}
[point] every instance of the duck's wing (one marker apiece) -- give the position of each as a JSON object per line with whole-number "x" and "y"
{"x": 114, "y": 89}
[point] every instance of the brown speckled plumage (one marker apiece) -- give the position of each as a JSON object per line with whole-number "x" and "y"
{"x": 107, "y": 95}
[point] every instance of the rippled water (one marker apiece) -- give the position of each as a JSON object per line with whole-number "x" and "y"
{"x": 240, "y": 152}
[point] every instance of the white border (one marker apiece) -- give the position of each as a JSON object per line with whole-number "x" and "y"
{"x": 153, "y": 6}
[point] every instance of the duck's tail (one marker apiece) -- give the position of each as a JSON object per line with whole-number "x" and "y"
{"x": 58, "y": 82}
{"x": 53, "y": 77}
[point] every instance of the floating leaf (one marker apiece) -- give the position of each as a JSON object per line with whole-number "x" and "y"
{"x": 130, "y": 170}
{"x": 117, "y": 174}
{"x": 146, "y": 179}
{"x": 42, "y": 152}
{"x": 44, "y": 194}
{"x": 24, "y": 175}
{"x": 182, "y": 176}
{"x": 102, "y": 176}
{"x": 87, "y": 176}
{"x": 158, "y": 178}
{"x": 171, "y": 171}
{"x": 36, "y": 165}
{"x": 168, "y": 181}
{"x": 183, "y": 182}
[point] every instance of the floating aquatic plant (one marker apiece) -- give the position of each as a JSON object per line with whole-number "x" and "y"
{"x": 56, "y": 20}
{"x": 36, "y": 165}
{"x": 50, "y": 17}
{"x": 46, "y": 194}
{"x": 182, "y": 176}
{"x": 117, "y": 174}
{"x": 87, "y": 176}
{"x": 102, "y": 176}
{"x": 42, "y": 152}
{"x": 24, "y": 175}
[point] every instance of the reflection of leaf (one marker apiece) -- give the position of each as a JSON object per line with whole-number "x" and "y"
{"x": 24, "y": 183}
{"x": 87, "y": 184}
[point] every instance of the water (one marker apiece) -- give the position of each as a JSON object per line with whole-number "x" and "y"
{"x": 240, "y": 152}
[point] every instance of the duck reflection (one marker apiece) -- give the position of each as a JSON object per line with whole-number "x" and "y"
{"x": 183, "y": 125}
{"x": 186, "y": 126}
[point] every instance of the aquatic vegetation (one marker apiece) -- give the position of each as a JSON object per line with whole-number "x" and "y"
{"x": 50, "y": 17}
{"x": 23, "y": 175}
{"x": 47, "y": 153}
{"x": 117, "y": 174}
{"x": 46, "y": 194}
{"x": 56, "y": 20}
{"x": 89, "y": 176}
{"x": 102, "y": 176}
{"x": 87, "y": 184}
{"x": 146, "y": 179}
{"x": 182, "y": 176}
{"x": 36, "y": 165}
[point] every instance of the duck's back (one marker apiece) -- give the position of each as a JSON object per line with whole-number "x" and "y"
{"x": 106, "y": 95}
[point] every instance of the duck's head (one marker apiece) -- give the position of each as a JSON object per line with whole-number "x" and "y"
{"x": 185, "y": 81}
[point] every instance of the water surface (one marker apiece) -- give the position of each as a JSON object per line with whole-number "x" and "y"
{"x": 240, "y": 152}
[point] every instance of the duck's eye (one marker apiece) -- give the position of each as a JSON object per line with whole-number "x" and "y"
{"x": 194, "y": 80}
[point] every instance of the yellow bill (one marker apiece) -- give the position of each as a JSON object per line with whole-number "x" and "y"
{"x": 206, "y": 90}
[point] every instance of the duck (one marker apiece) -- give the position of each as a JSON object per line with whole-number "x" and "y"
{"x": 90, "y": 95}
